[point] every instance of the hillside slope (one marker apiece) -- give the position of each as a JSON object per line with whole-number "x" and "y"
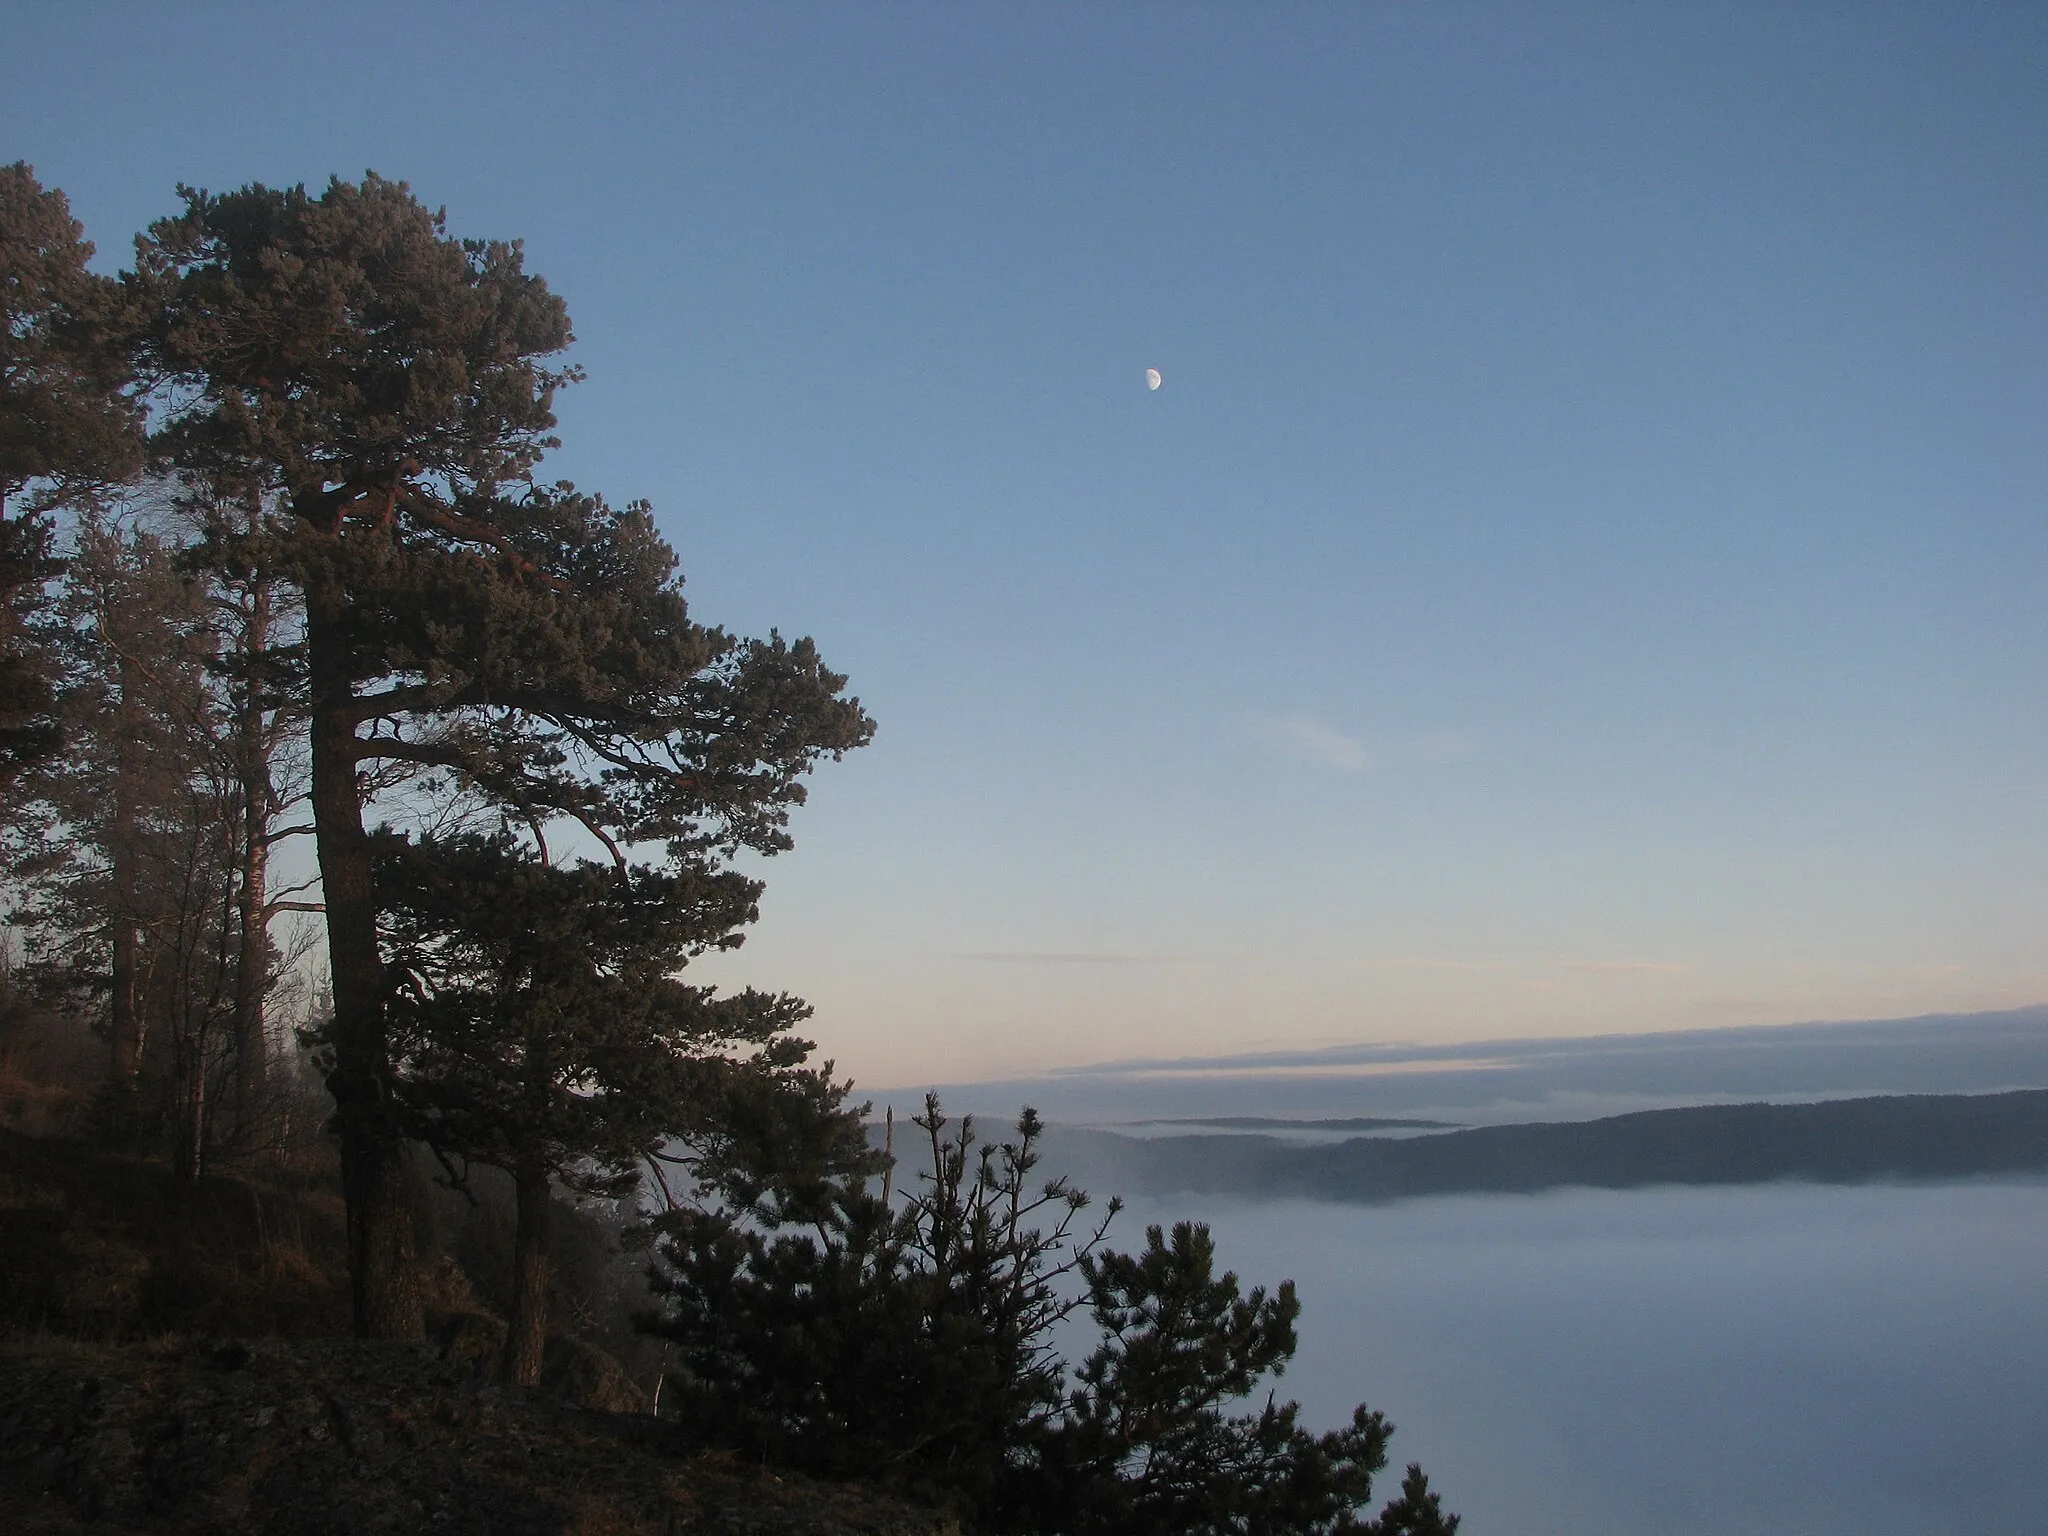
{"x": 335, "y": 1437}
{"x": 1844, "y": 1141}
{"x": 169, "y": 1364}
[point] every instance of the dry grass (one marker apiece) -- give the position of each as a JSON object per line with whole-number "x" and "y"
{"x": 109, "y": 1246}
{"x": 344, "y": 1438}
{"x": 35, "y": 1108}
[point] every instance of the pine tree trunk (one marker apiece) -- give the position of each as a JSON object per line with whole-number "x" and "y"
{"x": 252, "y": 959}
{"x": 252, "y": 983}
{"x": 124, "y": 1032}
{"x": 382, "y": 1272}
{"x": 527, "y": 1331}
{"x": 189, "y": 1151}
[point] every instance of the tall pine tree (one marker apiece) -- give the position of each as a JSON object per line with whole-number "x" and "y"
{"x": 542, "y": 1029}
{"x": 385, "y": 386}
{"x": 69, "y": 427}
{"x": 118, "y": 862}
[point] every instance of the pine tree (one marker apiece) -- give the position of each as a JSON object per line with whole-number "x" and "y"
{"x": 917, "y": 1345}
{"x": 541, "y": 1028}
{"x": 256, "y": 738}
{"x": 1148, "y": 1445}
{"x": 255, "y": 666}
{"x": 121, "y": 865}
{"x": 29, "y": 728}
{"x": 383, "y": 385}
{"x": 69, "y": 427}
{"x": 825, "y": 1329}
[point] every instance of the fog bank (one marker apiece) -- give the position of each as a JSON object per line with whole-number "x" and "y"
{"x": 1504, "y": 1081}
{"x": 1786, "y": 1358}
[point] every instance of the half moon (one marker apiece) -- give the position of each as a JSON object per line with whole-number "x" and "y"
{"x": 1152, "y": 379}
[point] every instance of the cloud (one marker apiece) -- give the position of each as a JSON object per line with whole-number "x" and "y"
{"x": 1624, "y": 965}
{"x": 1346, "y": 1069}
{"x": 1426, "y": 963}
{"x": 1309, "y": 739}
{"x": 1435, "y": 747}
{"x": 1072, "y": 957}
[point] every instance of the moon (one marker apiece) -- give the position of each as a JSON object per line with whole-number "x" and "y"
{"x": 1152, "y": 379}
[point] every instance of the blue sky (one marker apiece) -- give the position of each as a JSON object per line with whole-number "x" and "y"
{"x": 1585, "y": 570}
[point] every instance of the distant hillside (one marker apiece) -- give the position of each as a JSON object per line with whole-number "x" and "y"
{"x": 1273, "y": 1123}
{"x": 1844, "y": 1141}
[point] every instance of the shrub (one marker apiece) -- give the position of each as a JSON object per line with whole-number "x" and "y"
{"x": 915, "y": 1345}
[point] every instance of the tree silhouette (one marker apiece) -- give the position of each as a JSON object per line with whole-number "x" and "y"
{"x": 383, "y": 387}
{"x": 69, "y": 427}
{"x": 540, "y": 1026}
{"x": 918, "y": 1344}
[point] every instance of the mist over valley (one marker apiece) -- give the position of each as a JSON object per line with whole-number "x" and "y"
{"x": 1805, "y": 1289}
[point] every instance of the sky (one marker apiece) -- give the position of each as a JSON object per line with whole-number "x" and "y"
{"x": 1583, "y": 572}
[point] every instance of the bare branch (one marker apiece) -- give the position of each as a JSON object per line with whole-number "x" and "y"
{"x": 598, "y": 832}
{"x": 392, "y": 701}
{"x": 427, "y": 753}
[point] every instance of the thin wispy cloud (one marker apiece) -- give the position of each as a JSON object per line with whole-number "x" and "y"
{"x": 1433, "y": 747}
{"x": 1433, "y": 963}
{"x": 1072, "y": 957}
{"x": 1346, "y": 1069}
{"x": 1310, "y": 740}
{"x": 2016, "y": 1040}
{"x": 1624, "y": 965}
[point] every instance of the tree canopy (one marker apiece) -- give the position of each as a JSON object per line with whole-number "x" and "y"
{"x": 540, "y": 1025}
{"x": 69, "y": 426}
{"x": 382, "y": 389}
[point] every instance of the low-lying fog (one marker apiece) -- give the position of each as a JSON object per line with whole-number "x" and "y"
{"x": 1784, "y": 1358}
{"x": 1504, "y": 1081}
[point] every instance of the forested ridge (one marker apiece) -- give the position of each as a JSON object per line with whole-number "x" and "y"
{"x": 1842, "y": 1141}
{"x": 366, "y": 795}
